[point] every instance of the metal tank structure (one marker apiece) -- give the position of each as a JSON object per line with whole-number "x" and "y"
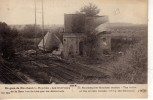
{"x": 75, "y": 32}
{"x": 73, "y": 37}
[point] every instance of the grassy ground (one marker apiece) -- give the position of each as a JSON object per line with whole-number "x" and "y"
{"x": 129, "y": 66}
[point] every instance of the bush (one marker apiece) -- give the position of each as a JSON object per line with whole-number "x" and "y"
{"x": 122, "y": 43}
{"x": 132, "y": 67}
{"x": 90, "y": 9}
{"x": 24, "y": 44}
{"x": 8, "y": 41}
{"x": 29, "y": 31}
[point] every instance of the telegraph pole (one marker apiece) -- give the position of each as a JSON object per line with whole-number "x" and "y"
{"x": 43, "y": 23}
{"x": 35, "y": 27}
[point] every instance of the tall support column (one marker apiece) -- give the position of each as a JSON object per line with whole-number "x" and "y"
{"x": 35, "y": 26}
{"x": 43, "y": 24}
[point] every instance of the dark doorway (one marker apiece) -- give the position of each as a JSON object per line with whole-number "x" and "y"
{"x": 71, "y": 54}
{"x": 106, "y": 52}
{"x": 81, "y": 48}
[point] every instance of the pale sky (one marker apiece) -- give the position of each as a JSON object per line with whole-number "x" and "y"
{"x": 22, "y": 11}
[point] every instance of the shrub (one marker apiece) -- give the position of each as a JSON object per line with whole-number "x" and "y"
{"x": 29, "y": 31}
{"x": 8, "y": 41}
{"x": 132, "y": 67}
{"x": 122, "y": 43}
{"x": 24, "y": 44}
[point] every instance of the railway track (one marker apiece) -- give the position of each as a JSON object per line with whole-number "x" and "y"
{"x": 76, "y": 69}
{"x": 9, "y": 76}
{"x": 59, "y": 72}
{"x": 64, "y": 71}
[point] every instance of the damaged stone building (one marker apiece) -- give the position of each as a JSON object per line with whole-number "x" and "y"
{"x": 75, "y": 34}
{"x": 73, "y": 37}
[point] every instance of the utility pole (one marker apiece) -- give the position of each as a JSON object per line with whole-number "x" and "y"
{"x": 43, "y": 24}
{"x": 35, "y": 27}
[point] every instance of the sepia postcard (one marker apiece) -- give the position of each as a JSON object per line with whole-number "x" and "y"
{"x": 73, "y": 49}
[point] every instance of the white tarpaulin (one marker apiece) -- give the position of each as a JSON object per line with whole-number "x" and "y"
{"x": 51, "y": 42}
